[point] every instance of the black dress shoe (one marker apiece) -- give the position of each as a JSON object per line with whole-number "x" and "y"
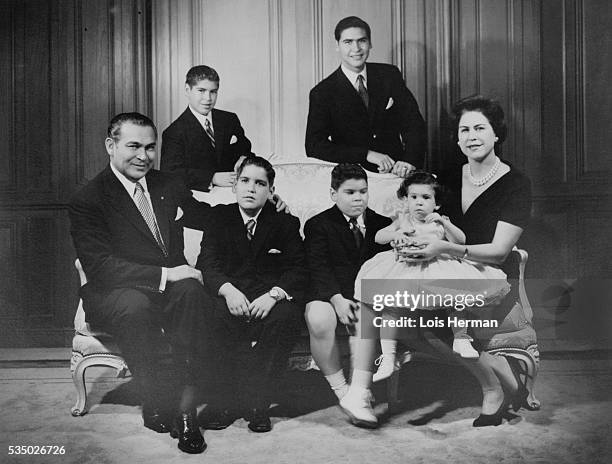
{"x": 155, "y": 419}
{"x": 217, "y": 419}
{"x": 259, "y": 420}
{"x": 495, "y": 419}
{"x": 186, "y": 429}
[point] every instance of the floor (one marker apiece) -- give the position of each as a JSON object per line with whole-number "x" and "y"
{"x": 433, "y": 425}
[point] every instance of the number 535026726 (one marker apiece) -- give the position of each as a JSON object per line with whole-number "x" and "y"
{"x": 36, "y": 449}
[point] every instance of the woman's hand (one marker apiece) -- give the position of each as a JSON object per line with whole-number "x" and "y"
{"x": 400, "y": 238}
{"x": 429, "y": 249}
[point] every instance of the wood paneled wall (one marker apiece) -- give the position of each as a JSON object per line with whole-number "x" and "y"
{"x": 68, "y": 65}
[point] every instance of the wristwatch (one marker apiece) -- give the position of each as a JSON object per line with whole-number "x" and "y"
{"x": 274, "y": 293}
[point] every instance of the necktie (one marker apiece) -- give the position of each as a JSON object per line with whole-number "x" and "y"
{"x": 356, "y": 232}
{"x": 147, "y": 213}
{"x": 209, "y": 131}
{"x": 250, "y": 227}
{"x": 362, "y": 91}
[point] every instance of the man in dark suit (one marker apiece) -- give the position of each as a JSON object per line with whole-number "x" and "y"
{"x": 204, "y": 144}
{"x": 364, "y": 113}
{"x": 338, "y": 241}
{"x": 128, "y": 233}
{"x": 252, "y": 260}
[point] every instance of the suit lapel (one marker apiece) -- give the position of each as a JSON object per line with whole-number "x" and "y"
{"x": 219, "y": 131}
{"x": 119, "y": 199}
{"x": 376, "y": 87}
{"x": 264, "y": 226}
{"x": 158, "y": 200}
{"x": 197, "y": 127}
{"x": 242, "y": 245}
{"x": 348, "y": 94}
{"x": 344, "y": 230}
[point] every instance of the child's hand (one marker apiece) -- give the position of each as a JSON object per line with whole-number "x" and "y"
{"x": 345, "y": 309}
{"x": 434, "y": 217}
{"x": 400, "y": 238}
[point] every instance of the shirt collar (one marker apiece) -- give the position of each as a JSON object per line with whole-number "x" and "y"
{"x": 246, "y": 218}
{"x": 127, "y": 183}
{"x": 352, "y": 75}
{"x": 201, "y": 118}
{"x": 360, "y": 220}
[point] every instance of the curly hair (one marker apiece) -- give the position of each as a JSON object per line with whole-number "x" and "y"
{"x": 419, "y": 177}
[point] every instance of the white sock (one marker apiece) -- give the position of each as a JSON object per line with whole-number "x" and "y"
{"x": 337, "y": 382}
{"x": 361, "y": 379}
{"x": 388, "y": 347}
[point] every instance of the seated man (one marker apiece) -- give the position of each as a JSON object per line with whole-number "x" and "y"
{"x": 125, "y": 228}
{"x": 363, "y": 113}
{"x": 252, "y": 260}
{"x": 205, "y": 145}
{"x": 338, "y": 241}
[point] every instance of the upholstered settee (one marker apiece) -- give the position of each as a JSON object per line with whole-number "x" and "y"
{"x": 304, "y": 186}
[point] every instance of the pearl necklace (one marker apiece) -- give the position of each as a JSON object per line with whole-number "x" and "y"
{"x": 487, "y": 177}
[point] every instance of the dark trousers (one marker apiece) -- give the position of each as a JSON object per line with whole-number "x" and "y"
{"x": 250, "y": 356}
{"x": 135, "y": 318}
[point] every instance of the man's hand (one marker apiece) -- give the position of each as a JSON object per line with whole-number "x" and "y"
{"x": 236, "y": 301}
{"x": 402, "y": 168}
{"x": 384, "y": 162}
{"x": 183, "y": 271}
{"x": 345, "y": 309}
{"x": 239, "y": 162}
{"x": 280, "y": 204}
{"x": 261, "y": 306}
{"x": 224, "y": 179}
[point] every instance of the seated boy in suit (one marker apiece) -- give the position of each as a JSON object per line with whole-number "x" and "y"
{"x": 205, "y": 145}
{"x": 338, "y": 241}
{"x": 253, "y": 265}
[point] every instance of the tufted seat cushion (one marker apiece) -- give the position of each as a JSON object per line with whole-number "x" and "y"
{"x": 88, "y": 345}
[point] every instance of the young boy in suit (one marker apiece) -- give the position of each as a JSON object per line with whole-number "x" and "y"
{"x": 338, "y": 241}
{"x": 253, "y": 265}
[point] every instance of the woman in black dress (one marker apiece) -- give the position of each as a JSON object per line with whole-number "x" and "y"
{"x": 493, "y": 209}
{"x": 492, "y": 206}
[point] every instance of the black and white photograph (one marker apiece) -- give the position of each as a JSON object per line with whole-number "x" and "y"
{"x": 305, "y": 231}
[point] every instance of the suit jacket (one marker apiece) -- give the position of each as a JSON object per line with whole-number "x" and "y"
{"x": 253, "y": 266}
{"x": 112, "y": 240}
{"x": 341, "y": 129}
{"x": 187, "y": 149}
{"x": 332, "y": 255}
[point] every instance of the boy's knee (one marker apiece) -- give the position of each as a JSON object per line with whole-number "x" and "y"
{"x": 320, "y": 319}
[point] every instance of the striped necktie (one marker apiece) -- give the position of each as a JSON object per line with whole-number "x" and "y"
{"x": 209, "y": 131}
{"x": 250, "y": 227}
{"x": 147, "y": 214}
{"x": 362, "y": 91}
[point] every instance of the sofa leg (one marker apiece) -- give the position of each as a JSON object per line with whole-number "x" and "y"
{"x": 78, "y": 376}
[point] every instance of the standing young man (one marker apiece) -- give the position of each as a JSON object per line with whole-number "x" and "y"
{"x": 363, "y": 113}
{"x": 204, "y": 144}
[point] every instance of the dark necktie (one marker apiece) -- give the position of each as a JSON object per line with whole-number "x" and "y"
{"x": 209, "y": 131}
{"x": 250, "y": 227}
{"x": 362, "y": 91}
{"x": 147, "y": 214}
{"x": 356, "y": 232}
